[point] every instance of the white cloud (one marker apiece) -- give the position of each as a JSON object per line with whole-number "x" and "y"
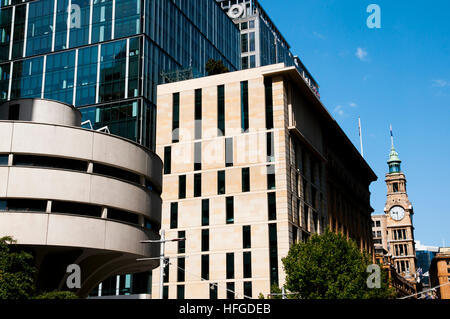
{"x": 352, "y": 104}
{"x": 440, "y": 83}
{"x": 319, "y": 35}
{"x": 361, "y": 54}
{"x": 339, "y": 110}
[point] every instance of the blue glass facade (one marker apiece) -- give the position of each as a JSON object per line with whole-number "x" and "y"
{"x": 98, "y": 53}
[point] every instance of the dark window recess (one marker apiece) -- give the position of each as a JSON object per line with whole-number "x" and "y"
{"x": 14, "y": 111}
{"x": 182, "y": 186}
{"x": 212, "y": 291}
{"x": 205, "y": 267}
{"x": 76, "y": 209}
{"x": 123, "y": 216}
{"x": 230, "y": 210}
{"x": 272, "y": 205}
{"x": 166, "y": 271}
{"x": 205, "y": 212}
{"x": 197, "y": 185}
{"x": 205, "y": 240}
{"x": 221, "y": 182}
{"x": 248, "y": 290}
{"x": 197, "y": 156}
{"x": 176, "y": 118}
{"x": 181, "y": 266}
{"x": 245, "y": 179}
{"x": 273, "y": 254}
{"x": 221, "y": 110}
{"x": 228, "y": 152}
{"x": 151, "y": 187}
{"x": 244, "y": 106}
{"x": 25, "y": 205}
{"x": 166, "y": 292}
{"x": 230, "y": 265}
{"x": 270, "y": 147}
{"x": 173, "y": 215}
{"x": 182, "y": 243}
{"x": 151, "y": 225}
{"x": 116, "y": 173}
{"x": 247, "y": 264}
{"x": 4, "y": 160}
{"x": 50, "y": 162}
{"x": 198, "y": 114}
{"x": 167, "y": 160}
{"x": 269, "y": 103}
{"x": 246, "y": 237}
{"x": 271, "y": 177}
{"x": 230, "y": 290}
{"x": 180, "y": 292}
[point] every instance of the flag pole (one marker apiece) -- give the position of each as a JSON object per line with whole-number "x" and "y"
{"x": 360, "y": 137}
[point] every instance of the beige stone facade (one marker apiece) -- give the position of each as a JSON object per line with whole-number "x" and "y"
{"x": 440, "y": 273}
{"x": 261, "y": 186}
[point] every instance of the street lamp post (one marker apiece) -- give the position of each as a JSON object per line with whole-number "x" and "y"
{"x": 162, "y": 257}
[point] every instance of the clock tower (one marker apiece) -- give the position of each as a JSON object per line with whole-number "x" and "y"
{"x": 399, "y": 219}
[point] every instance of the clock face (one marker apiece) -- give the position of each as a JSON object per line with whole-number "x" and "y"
{"x": 397, "y": 213}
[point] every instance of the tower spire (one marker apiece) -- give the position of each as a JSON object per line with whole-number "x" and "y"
{"x": 394, "y": 161}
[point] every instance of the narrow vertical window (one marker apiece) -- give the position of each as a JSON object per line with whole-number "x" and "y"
{"x": 230, "y": 210}
{"x": 173, "y": 215}
{"x": 198, "y": 114}
{"x": 228, "y": 152}
{"x": 175, "y": 117}
{"x": 182, "y": 243}
{"x": 197, "y": 185}
{"x": 271, "y": 177}
{"x": 248, "y": 290}
{"x": 180, "y": 292}
{"x": 180, "y": 269}
{"x": 269, "y": 103}
{"x": 166, "y": 272}
{"x": 306, "y": 217}
{"x": 247, "y": 262}
{"x": 230, "y": 290}
{"x": 205, "y": 239}
{"x": 197, "y": 156}
{"x": 205, "y": 212}
{"x": 166, "y": 292}
{"x": 273, "y": 254}
{"x": 270, "y": 147}
{"x": 221, "y": 182}
{"x": 244, "y": 106}
{"x": 245, "y": 179}
{"x": 205, "y": 267}
{"x": 221, "y": 110}
{"x": 230, "y": 266}
{"x": 182, "y": 186}
{"x": 272, "y": 206}
{"x": 167, "y": 160}
{"x": 246, "y": 237}
{"x": 212, "y": 291}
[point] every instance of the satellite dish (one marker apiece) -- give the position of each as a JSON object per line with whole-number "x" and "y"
{"x": 236, "y": 11}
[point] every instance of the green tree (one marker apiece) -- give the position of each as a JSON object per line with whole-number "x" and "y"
{"x": 330, "y": 267}
{"x": 215, "y": 67}
{"x": 16, "y": 271}
{"x": 57, "y": 295}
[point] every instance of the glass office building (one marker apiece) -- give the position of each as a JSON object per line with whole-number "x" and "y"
{"x": 261, "y": 41}
{"x": 106, "y": 57}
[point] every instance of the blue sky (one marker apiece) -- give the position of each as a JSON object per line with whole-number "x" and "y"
{"x": 399, "y": 75}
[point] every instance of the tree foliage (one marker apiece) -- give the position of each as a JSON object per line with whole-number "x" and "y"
{"x": 17, "y": 274}
{"x": 330, "y": 267}
{"x": 57, "y": 295}
{"x": 214, "y": 67}
{"x": 16, "y": 271}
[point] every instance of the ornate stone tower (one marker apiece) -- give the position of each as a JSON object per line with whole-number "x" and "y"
{"x": 399, "y": 219}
